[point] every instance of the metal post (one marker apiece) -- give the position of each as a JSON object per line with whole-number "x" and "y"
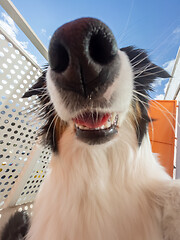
{"x": 24, "y": 26}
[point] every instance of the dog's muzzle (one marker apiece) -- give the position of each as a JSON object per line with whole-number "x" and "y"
{"x": 84, "y": 60}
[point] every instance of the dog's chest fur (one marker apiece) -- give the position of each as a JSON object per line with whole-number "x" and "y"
{"x": 98, "y": 194}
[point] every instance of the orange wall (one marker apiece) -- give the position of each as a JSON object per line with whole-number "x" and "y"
{"x": 162, "y": 134}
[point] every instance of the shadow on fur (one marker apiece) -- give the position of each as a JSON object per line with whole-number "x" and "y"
{"x": 17, "y": 227}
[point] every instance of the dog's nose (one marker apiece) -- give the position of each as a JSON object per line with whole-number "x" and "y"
{"x": 83, "y": 56}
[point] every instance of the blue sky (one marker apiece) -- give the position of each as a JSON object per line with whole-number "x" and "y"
{"x": 153, "y": 25}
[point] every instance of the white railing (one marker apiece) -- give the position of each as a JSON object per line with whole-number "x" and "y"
{"x": 23, "y": 162}
{"x": 24, "y": 26}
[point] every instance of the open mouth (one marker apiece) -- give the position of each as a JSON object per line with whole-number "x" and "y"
{"x": 96, "y": 128}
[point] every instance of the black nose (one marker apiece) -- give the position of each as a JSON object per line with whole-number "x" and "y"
{"x": 83, "y": 56}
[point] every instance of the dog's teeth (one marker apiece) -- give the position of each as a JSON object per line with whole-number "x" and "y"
{"x": 81, "y": 127}
{"x": 113, "y": 119}
{"x": 116, "y": 119}
{"x": 108, "y": 124}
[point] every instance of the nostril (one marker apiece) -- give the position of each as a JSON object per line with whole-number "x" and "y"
{"x": 58, "y": 57}
{"x": 102, "y": 47}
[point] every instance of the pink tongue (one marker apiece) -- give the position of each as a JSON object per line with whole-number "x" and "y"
{"x": 92, "y": 120}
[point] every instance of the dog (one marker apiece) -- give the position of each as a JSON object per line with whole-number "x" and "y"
{"x": 104, "y": 183}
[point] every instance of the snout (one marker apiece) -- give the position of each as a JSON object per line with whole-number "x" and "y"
{"x": 83, "y": 57}
{"x": 88, "y": 79}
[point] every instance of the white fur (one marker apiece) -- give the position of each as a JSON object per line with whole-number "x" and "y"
{"x": 114, "y": 191}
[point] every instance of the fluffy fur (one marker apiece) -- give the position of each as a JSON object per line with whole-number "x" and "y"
{"x": 114, "y": 190}
{"x": 17, "y": 227}
{"x": 99, "y": 195}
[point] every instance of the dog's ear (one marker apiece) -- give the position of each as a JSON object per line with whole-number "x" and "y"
{"x": 157, "y": 71}
{"x": 38, "y": 88}
{"x": 145, "y": 72}
{"x": 142, "y": 66}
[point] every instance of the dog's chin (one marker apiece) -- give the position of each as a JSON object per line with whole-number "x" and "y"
{"x": 95, "y": 128}
{"x": 94, "y": 137}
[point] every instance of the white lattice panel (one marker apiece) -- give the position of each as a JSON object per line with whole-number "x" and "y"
{"x": 17, "y": 130}
{"x": 35, "y": 179}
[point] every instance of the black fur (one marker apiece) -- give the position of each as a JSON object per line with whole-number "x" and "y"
{"x": 45, "y": 111}
{"x": 145, "y": 72}
{"x": 17, "y": 227}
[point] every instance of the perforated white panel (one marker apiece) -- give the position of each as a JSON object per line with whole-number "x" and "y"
{"x": 35, "y": 179}
{"x": 17, "y": 130}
